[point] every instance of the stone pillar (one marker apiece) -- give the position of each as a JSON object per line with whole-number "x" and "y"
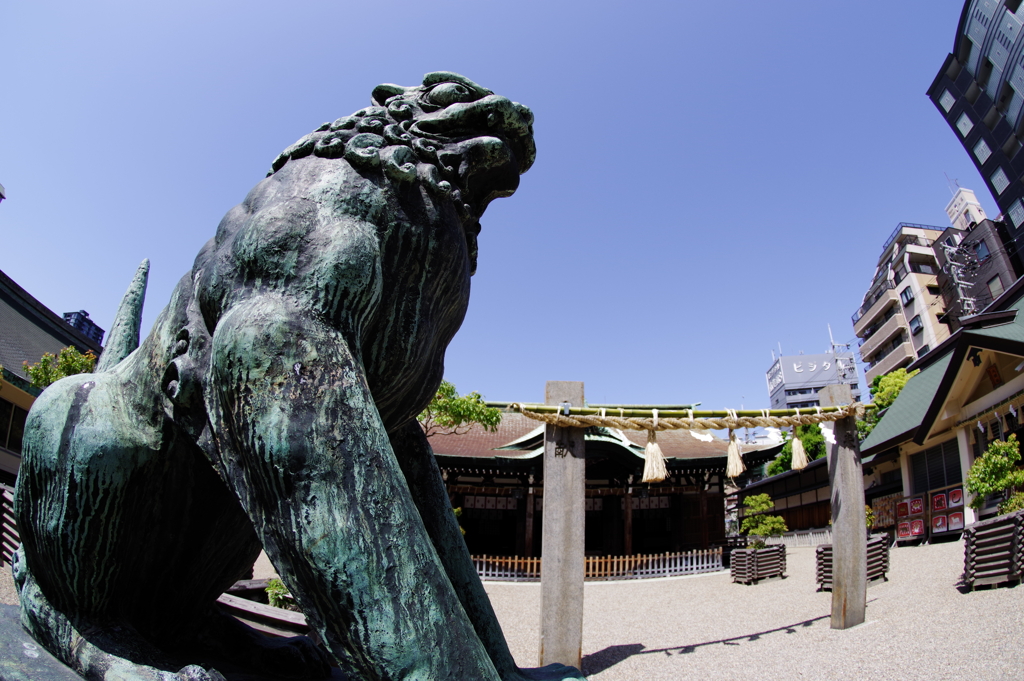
{"x": 849, "y": 531}
{"x": 562, "y": 566}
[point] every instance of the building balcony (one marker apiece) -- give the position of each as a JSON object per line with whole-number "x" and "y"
{"x": 902, "y": 356}
{"x": 883, "y": 335}
{"x": 872, "y": 308}
{"x": 924, "y": 248}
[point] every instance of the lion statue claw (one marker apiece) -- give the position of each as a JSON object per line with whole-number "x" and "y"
{"x": 273, "y": 406}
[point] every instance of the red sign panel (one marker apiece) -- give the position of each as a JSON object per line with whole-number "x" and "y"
{"x": 956, "y": 521}
{"x": 917, "y": 527}
{"x": 903, "y": 509}
{"x": 956, "y": 497}
{"x": 903, "y": 530}
{"x": 938, "y": 502}
{"x": 916, "y": 506}
{"x": 939, "y": 523}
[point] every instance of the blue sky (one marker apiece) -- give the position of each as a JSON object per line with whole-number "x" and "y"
{"x": 712, "y": 179}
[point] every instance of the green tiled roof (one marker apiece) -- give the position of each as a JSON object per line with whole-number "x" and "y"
{"x": 907, "y": 412}
{"x": 1014, "y": 331}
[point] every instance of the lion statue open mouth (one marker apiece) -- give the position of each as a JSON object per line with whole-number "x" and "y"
{"x": 273, "y": 406}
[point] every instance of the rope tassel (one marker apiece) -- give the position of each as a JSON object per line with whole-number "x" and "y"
{"x": 654, "y": 460}
{"x": 799, "y": 454}
{"x": 735, "y": 466}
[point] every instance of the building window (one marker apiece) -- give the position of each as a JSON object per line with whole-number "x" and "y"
{"x": 935, "y": 468}
{"x": 923, "y": 351}
{"x": 995, "y": 286}
{"x": 981, "y": 151}
{"x": 964, "y": 124}
{"x": 999, "y": 181}
{"x": 901, "y": 272}
{"x": 947, "y": 100}
{"x": 12, "y": 426}
{"x": 1017, "y": 213}
{"x": 981, "y": 251}
{"x": 916, "y": 326}
{"x": 907, "y": 296}
{"x": 933, "y": 290}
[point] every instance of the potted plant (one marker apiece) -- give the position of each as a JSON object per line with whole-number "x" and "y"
{"x": 759, "y": 561}
{"x": 877, "y": 555}
{"x": 993, "y": 549}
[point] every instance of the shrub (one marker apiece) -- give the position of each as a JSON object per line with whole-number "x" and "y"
{"x": 278, "y": 595}
{"x": 757, "y": 524}
{"x": 50, "y": 368}
{"x": 996, "y": 472}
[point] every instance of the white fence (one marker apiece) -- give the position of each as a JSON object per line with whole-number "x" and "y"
{"x": 813, "y": 537}
{"x": 517, "y": 569}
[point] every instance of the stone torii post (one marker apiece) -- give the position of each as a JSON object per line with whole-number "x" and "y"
{"x": 562, "y": 566}
{"x": 849, "y": 545}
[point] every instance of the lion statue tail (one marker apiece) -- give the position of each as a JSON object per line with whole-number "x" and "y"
{"x": 124, "y": 335}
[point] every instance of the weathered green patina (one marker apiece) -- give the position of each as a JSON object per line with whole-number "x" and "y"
{"x": 273, "y": 405}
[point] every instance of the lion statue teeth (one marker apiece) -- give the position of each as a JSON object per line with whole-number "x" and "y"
{"x": 273, "y": 406}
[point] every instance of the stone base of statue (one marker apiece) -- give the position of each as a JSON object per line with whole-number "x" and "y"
{"x": 21, "y": 658}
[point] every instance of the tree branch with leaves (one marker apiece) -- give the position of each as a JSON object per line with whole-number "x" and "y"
{"x": 451, "y": 413}
{"x": 50, "y": 369}
{"x": 996, "y": 472}
{"x": 884, "y": 391}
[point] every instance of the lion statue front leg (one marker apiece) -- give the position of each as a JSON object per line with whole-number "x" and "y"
{"x": 303, "y": 446}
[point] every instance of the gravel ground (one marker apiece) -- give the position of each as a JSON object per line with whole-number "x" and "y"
{"x": 919, "y": 625}
{"x": 8, "y": 596}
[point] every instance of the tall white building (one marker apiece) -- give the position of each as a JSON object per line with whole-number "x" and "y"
{"x": 899, "y": 318}
{"x": 964, "y": 211}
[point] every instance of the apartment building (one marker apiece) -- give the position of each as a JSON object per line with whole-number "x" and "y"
{"x": 979, "y": 91}
{"x": 977, "y": 259}
{"x": 899, "y": 318}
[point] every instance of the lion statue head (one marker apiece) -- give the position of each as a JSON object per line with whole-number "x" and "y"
{"x": 432, "y": 134}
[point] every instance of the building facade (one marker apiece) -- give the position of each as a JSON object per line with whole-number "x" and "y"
{"x": 497, "y": 479}
{"x": 980, "y": 92}
{"x": 80, "y": 320}
{"x": 969, "y": 392}
{"x": 976, "y": 266}
{"x": 898, "y": 320}
{"x": 794, "y": 381}
{"x": 28, "y": 329}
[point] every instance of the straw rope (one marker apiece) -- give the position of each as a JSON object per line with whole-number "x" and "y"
{"x": 655, "y": 423}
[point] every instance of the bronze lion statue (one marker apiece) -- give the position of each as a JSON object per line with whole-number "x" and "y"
{"x": 273, "y": 405}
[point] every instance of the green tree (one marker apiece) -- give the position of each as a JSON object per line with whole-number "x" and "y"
{"x": 884, "y": 391}
{"x": 67, "y": 363}
{"x": 448, "y": 412}
{"x": 757, "y": 524}
{"x": 996, "y": 472}
{"x": 814, "y": 446}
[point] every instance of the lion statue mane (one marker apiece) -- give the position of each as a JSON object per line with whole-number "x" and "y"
{"x": 273, "y": 406}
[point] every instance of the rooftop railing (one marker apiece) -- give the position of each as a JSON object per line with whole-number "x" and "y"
{"x": 912, "y": 225}
{"x": 871, "y": 299}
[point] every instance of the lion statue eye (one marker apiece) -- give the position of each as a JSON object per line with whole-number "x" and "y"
{"x": 450, "y": 93}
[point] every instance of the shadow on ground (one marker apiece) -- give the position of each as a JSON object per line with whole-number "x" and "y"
{"x": 595, "y": 663}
